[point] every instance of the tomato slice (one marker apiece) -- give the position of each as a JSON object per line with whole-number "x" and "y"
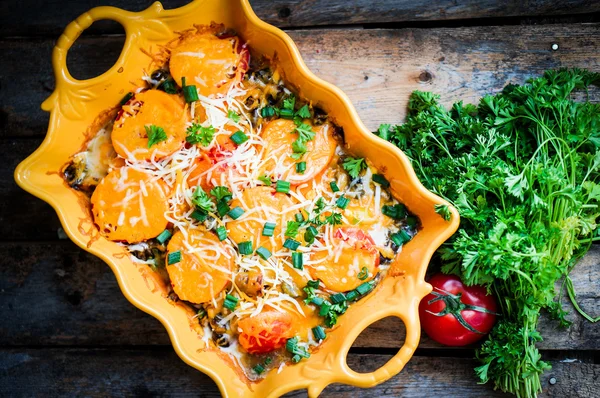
{"x": 353, "y": 251}
{"x": 265, "y": 332}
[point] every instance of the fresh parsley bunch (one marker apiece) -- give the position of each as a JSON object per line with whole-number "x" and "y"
{"x": 522, "y": 168}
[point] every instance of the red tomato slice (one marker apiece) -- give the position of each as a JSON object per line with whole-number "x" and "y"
{"x": 265, "y": 332}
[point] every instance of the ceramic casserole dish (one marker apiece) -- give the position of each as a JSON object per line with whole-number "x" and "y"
{"x": 74, "y": 105}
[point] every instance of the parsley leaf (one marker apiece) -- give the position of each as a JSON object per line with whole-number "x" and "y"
{"x": 289, "y": 102}
{"x": 303, "y": 112}
{"x": 233, "y": 116}
{"x": 292, "y": 228}
{"x": 200, "y": 135}
{"x": 201, "y": 200}
{"x": 354, "y": 166}
{"x": 305, "y": 132}
{"x": 221, "y": 193}
{"x": 334, "y": 219}
{"x": 155, "y": 134}
{"x": 443, "y": 210}
{"x": 320, "y": 205}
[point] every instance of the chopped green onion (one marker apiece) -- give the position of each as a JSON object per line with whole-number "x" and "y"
{"x": 222, "y": 233}
{"x": 269, "y": 229}
{"x": 338, "y": 298}
{"x": 286, "y": 113}
{"x": 189, "y": 92}
{"x": 239, "y": 137}
{"x": 310, "y": 234}
{"x": 324, "y": 308}
{"x": 282, "y": 186}
{"x": 342, "y": 202}
{"x": 265, "y": 179}
{"x": 201, "y": 313}
{"x": 164, "y": 236}
{"x": 174, "y": 257}
{"x": 317, "y": 301}
{"x": 245, "y": 247}
{"x": 259, "y": 369}
{"x": 334, "y": 186}
{"x": 396, "y": 211}
{"x": 230, "y": 302}
{"x": 267, "y": 111}
{"x": 126, "y": 98}
{"x": 313, "y": 231}
{"x": 199, "y": 215}
{"x": 378, "y": 178}
{"x": 363, "y": 274}
{"x": 400, "y": 238}
{"x": 298, "y": 260}
{"x": 411, "y": 221}
{"x": 168, "y": 86}
{"x": 351, "y": 295}
{"x": 268, "y": 361}
{"x": 300, "y": 167}
{"x": 291, "y": 344}
{"x": 364, "y": 288}
{"x": 318, "y": 332}
{"x": 263, "y": 252}
{"x": 299, "y": 217}
{"x": 291, "y": 244}
{"x": 313, "y": 284}
{"x": 236, "y": 212}
{"x": 222, "y": 208}
{"x": 296, "y": 358}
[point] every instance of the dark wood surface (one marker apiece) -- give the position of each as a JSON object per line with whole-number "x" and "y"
{"x": 65, "y": 327}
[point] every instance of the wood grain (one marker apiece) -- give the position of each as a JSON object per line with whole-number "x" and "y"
{"x": 56, "y": 294}
{"x": 384, "y": 68}
{"x": 16, "y": 18}
{"x": 100, "y": 372}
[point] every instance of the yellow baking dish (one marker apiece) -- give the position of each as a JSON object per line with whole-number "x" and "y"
{"x": 75, "y": 104}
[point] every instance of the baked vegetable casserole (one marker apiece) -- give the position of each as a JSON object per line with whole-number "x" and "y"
{"x": 238, "y": 196}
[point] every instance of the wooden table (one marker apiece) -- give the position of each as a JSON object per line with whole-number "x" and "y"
{"x": 66, "y": 329}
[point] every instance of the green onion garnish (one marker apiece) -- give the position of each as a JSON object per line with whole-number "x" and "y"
{"x": 230, "y": 302}
{"x": 267, "y": 111}
{"x": 396, "y": 211}
{"x": 222, "y": 233}
{"x": 236, "y": 212}
{"x": 189, "y": 92}
{"x": 351, "y": 295}
{"x": 298, "y": 260}
{"x": 300, "y": 167}
{"x": 201, "y": 313}
{"x": 313, "y": 231}
{"x": 259, "y": 369}
{"x": 174, "y": 257}
{"x": 411, "y": 221}
{"x": 299, "y": 217}
{"x": 245, "y": 247}
{"x": 363, "y": 274}
{"x": 291, "y": 344}
{"x": 317, "y": 301}
{"x": 400, "y": 238}
{"x": 126, "y": 98}
{"x": 318, "y": 332}
{"x": 269, "y": 229}
{"x": 342, "y": 202}
{"x": 310, "y": 234}
{"x": 313, "y": 284}
{"x": 263, "y": 252}
{"x": 291, "y": 244}
{"x": 334, "y": 186}
{"x": 324, "y": 308}
{"x": 199, "y": 215}
{"x": 286, "y": 113}
{"x": 239, "y": 137}
{"x": 282, "y": 186}
{"x": 338, "y": 298}
{"x": 364, "y": 288}
{"x": 168, "y": 86}
{"x": 378, "y": 178}
{"x": 164, "y": 236}
{"x": 222, "y": 208}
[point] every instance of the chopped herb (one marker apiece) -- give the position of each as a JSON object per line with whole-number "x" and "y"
{"x": 230, "y": 302}
{"x": 364, "y": 288}
{"x": 397, "y": 211}
{"x": 313, "y": 284}
{"x": 334, "y": 219}
{"x": 380, "y": 179}
{"x": 258, "y": 369}
{"x": 126, "y": 98}
{"x": 233, "y": 116}
{"x": 400, "y": 238}
{"x": 201, "y": 200}
{"x": 168, "y": 86}
{"x": 310, "y": 234}
{"x": 199, "y": 215}
{"x": 265, "y": 179}
{"x": 300, "y": 167}
{"x": 291, "y": 244}
{"x": 236, "y": 212}
{"x": 267, "y": 111}
{"x": 299, "y": 148}
{"x": 222, "y": 208}
{"x": 291, "y": 346}
{"x": 222, "y": 233}
{"x": 292, "y": 229}
{"x": 282, "y": 186}
{"x": 443, "y": 211}
{"x": 174, "y": 257}
{"x": 298, "y": 260}
{"x": 268, "y": 361}
{"x": 289, "y": 103}
{"x": 239, "y": 137}
{"x": 320, "y": 205}
{"x": 245, "y": 247}
{"x": 351, "y": 295}
{"x": 286, "y": 113}
{"x": 299, "y": 217}
{"x": 221, "y": 193}
{"x": 334, "y": 187}
{"x": 263, "y": 252}
{"x": 354, "y": 166}
{"x": 305, "y": 132}
{"x": 363, "y": 274}
{"x": 338, "y": 298}
{"x": 318, "y": 333}
{"x": 155, "y": 134}
{"x": 196, "y": 134}
{"x": 190, "y": 93}
{"x": 411, "y": 221}
{"x": 303, "y": 112}
{"x": 163, "y": 236}
{"x": 201, "y": 313}
{"x": 269, "y": 229}
{"x": 342, "y": 202}
{"x": 325, "y": 307}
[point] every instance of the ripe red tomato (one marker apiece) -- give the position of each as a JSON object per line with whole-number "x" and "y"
{"x": 454, "y": 314}
{"x": 265, "y": 332}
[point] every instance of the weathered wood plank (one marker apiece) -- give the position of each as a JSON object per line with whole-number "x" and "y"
{"x": 56, "y": 294}
{"x": 384, "y": 68}
{"x": 17, "y": 20}
{"x": 127, "y": 372}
